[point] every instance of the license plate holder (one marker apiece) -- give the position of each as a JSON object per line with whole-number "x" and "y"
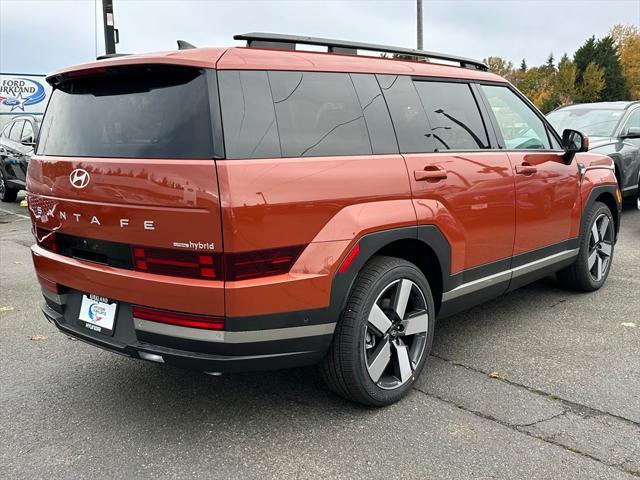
{"x": 98, "y": 314}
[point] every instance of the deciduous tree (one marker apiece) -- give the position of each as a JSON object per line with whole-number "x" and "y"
{"x": 592, "y": 83}
{"x": 627, "y": 39}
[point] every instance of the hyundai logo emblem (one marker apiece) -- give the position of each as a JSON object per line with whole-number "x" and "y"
{"x": 79, "y": 178}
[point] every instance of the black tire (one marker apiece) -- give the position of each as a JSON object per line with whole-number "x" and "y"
{"x": 7, "y": 194}
{"x": 345, "y": 369}
{"x": 579, "y": 276}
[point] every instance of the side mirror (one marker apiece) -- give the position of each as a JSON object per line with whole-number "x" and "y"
{"x": 632, "y": 132}
{"x": 28, "y": 142}
{"x": 574, "y": 142}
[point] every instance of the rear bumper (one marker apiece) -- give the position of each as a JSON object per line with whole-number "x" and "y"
{"x": 204, "y": 350}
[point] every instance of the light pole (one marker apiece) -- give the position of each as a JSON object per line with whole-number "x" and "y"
{"x": 110, "y": 32}
{"x": 419, "y": 22}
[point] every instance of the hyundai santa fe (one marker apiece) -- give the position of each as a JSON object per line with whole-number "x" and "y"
{"x": 262, "y": 207}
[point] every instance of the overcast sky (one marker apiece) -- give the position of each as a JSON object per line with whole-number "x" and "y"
{"x": 37, "y": 36}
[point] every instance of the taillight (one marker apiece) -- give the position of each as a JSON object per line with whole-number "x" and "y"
{"x": 51, "y": 285}
{"x": 176, "y": 318}
{"x": 46, "y": 239}
{"x": 260, "y": 263}
{"x": 181, "y": 263}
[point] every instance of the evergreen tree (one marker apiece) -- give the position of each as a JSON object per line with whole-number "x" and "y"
{"x": 550, "y": 65}
{"x": 523, "y": 65}
{"x": 607, "y": 58}
{"x": 584, "y": 56}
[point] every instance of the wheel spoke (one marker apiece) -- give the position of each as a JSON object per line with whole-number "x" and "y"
{"x": 592, "y": 258}
{"x": 404, "y": 364}
{"x": 379, "y": 320}
{"x": 402, "y": 297}
{"x": 604, "y": 226}
{"x": 599, "y": 272}
{"x": 594, "y": 233}
{"x": 380, "y": 359}
{"x": 416, "y": 324}
{"x": 605, "y": 248}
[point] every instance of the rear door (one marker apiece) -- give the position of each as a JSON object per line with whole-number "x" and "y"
{"x": 456, "y": 181}
{"x": 127, "y": 155}
{"x": 548, "y": 202}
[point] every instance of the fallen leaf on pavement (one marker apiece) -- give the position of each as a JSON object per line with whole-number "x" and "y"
{"x": 495, "y": 374}
{"x": 6, "y": 309}
{"x": 35, "y": 338}
{"x": 628, "y": 324}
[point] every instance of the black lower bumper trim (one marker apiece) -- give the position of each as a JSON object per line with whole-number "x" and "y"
{"x": 312, "y": 352}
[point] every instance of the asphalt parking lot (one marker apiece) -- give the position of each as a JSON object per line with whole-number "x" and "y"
{"x": 542, "y": 383}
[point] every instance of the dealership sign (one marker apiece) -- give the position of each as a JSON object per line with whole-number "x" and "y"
{"x": 21, "y": 94}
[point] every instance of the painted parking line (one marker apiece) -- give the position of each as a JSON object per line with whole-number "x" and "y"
{"x": 13, "y": 213}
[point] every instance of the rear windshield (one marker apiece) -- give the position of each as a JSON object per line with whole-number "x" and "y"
{"x": 150, "y": 112}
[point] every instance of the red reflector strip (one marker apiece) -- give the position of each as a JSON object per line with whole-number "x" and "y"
{"x": 180, "y": 319}
{"x": 350, "y": 258}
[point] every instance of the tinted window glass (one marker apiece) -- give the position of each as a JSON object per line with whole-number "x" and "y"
{"x": 16, "y": 131}
{"x": 376, "y": 114}
{"x": 27, "y": 132}
{"x": 409, "y": 118}
{"x": 453, "y": 115}
{"x": 633, "y": 121}
{"x": 521, "y": 128}
{"x": 155, "y": 112}
{"x": 249, "y": 121}
{"x": 318, "y": 114}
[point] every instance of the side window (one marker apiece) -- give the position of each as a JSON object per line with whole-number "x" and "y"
{"x": 407, "y": 113}
{"x": 633, "y": 121}
{"x": 376, "y": 114}
{"x": 521, "y": 128}
{"x": 5, "y": 130}
{"x": 27, "y": 133}
{"x": 249, "y": 119}
{"x": 318, "y": 114}
{"x": 453, "y": 114}
{"x": 16, "y": 131}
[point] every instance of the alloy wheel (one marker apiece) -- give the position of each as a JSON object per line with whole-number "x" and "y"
{"x": 396, "y": 334}
{"x": 2, "y": 185}
{"x": 600, "y": 247}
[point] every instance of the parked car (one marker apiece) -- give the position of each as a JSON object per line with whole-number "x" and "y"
{"x": 614, "y": 130}
{"x": 17, "y": 140}
{"x": 279, "y": 208}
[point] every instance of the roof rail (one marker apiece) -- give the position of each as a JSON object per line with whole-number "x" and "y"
{"x": 111, "y": 55}
{"x": 289, "y": 42}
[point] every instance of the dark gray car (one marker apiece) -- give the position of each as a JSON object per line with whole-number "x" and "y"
{"x": 17, "y": 140}
{"x": 613, "y": 129}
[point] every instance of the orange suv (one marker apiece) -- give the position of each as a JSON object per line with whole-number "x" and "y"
{"x": 233, "y": 209}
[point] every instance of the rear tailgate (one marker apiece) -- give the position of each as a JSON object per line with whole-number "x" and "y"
{"x": 125, "y": 176}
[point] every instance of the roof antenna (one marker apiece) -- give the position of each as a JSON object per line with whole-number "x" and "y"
{"x": 182, "y": 45}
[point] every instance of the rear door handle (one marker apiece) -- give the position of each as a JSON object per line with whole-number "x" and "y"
{"x": 426, "y": 175}
{"x": 526, "y": 169}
